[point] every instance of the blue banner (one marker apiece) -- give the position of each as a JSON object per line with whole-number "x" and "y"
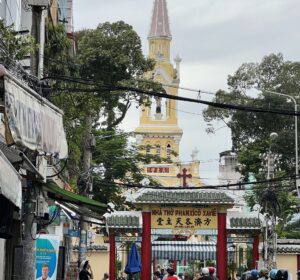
{"x": 47, "y": 247}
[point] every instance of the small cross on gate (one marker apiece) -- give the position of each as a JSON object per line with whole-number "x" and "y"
{"x": 184, "y": 176}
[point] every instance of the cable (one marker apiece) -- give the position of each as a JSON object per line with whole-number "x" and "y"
{"x": 168, "y": 96}
{"x": 279, "y": 179}
{"x": 59, "y": 172}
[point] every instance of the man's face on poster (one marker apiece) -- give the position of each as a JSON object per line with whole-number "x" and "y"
{"x": 45, "y": 272}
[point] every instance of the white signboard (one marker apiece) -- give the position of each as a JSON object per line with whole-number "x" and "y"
{"x": 34, "y": 122}
{"x": 10, "y": 183}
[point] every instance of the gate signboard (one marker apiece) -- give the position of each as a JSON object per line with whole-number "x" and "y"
{"x": 184, "y": 218}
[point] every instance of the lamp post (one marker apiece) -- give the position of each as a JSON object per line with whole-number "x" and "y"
{"x": 270, "y": 236}
{"x": 296, "y": 135}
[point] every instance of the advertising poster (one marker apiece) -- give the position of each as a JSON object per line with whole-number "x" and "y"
{"x": 47, "y": 247}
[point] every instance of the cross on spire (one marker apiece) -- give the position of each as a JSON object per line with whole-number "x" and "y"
{"x": 184, "y": 176}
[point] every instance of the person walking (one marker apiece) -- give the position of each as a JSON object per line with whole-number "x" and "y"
{"x": 86, "y": 272}
{"x": 171, "y": 275}
{"x": 105, "y": 276}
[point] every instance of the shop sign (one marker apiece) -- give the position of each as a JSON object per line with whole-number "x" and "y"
{"x": 128, "y": 239}
{"x": 34, "y": 122}
{"x": 238, "y": 239}
{"x": 73, "y": 232}
{"x": 158, "y": 169}
{"x": 184, "y": 218}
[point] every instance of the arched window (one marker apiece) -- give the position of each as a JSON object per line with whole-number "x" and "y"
{"x": 169, "y": 151}
{"x": 148, "y": 149}
{"x": 158, "y": 150}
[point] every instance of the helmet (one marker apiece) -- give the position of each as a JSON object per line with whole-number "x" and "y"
{"x": 254, "y": 273}
{"x": 298, "y": 272}
{"x": 263, "y": 272}
{"x": 273, "y": 273}
{"x": 205, "y": 271}
{"x": 282, "y": 274}
{"x": 211, "y": 270}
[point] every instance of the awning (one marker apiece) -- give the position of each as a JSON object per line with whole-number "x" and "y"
{"x": 10, "y": 183}
{"x": 77, "y": 203}
{"x": 182, "y": 250}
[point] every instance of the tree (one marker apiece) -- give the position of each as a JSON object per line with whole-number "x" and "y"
{"x": 12, "y": 47}
{"x": 106, "y": 56}
{"x": 251, "y": 130}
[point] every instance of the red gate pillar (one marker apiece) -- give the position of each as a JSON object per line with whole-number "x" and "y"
{"x": 175, "y": 266}
{"x": 146, "y": 245}
{"x": 222, "y": 245}
{"x": 154, "y": 265}
{"x": 255, "y": 251}
{"x": 112, "y": 257}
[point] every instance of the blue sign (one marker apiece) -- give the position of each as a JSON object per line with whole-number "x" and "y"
{"x": 47, "y": 247}
{"x": 73, "y": 232}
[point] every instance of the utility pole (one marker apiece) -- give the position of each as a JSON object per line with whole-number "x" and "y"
{"x": 270, "y": 236}
{"x": 30, "y": 227}
{"x": 29, "y": 217}
{"x": 86, "y": 166}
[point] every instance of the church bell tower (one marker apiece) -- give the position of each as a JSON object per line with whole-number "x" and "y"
{"x": 158, "y": 129}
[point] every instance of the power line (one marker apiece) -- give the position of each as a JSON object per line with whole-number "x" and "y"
{"x": 168, "y": 96}
{"x": 279, "y": 179}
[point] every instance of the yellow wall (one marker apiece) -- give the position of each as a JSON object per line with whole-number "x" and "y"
{"x": 100, "y": 263}
{"x": 289, "y": 262}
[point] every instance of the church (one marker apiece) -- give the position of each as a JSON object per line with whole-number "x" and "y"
{"x": 158, "y": 131}
{"x": 180, "y": 228}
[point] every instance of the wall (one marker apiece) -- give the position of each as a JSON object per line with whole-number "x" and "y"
{"x": 289, "y": 262}
{"x": 100, "y": 263}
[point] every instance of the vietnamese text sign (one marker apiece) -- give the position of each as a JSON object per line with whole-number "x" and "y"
{"x": 32, "y": 121}
{"x": 184, "y": 218}
{"x": 47, "y": 247}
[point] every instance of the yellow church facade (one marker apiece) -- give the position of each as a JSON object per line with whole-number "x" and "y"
{"x": 158, "y": 131}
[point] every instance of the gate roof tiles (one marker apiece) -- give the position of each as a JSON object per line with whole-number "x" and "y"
{"x": 195, "y": 196}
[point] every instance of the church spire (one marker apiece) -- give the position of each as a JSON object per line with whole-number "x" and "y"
{"x": 160, "y": 27}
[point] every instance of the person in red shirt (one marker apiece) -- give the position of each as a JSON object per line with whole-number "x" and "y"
{"x": 171, "y": 275}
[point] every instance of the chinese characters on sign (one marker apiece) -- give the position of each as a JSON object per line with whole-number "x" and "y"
{"x": 158, "y": 169}
{"x": 184, "y": 218}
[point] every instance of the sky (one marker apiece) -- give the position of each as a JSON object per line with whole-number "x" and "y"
{"x": 213, "y": 38}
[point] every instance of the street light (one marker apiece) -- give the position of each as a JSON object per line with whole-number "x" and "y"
{"x": 296, "y": 135}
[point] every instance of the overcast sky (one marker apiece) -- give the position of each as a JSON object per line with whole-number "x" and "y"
{"x": 213, "y": 38}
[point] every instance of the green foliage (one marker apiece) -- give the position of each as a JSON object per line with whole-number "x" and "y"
{"x": 108, "y": 55}
{"x": 291, "y": 230}
{"x": 105, "y": 57}
{"x": 116, "y": 160}
{"x": 251, "y": 131}
{"x": 12, "y": 46}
